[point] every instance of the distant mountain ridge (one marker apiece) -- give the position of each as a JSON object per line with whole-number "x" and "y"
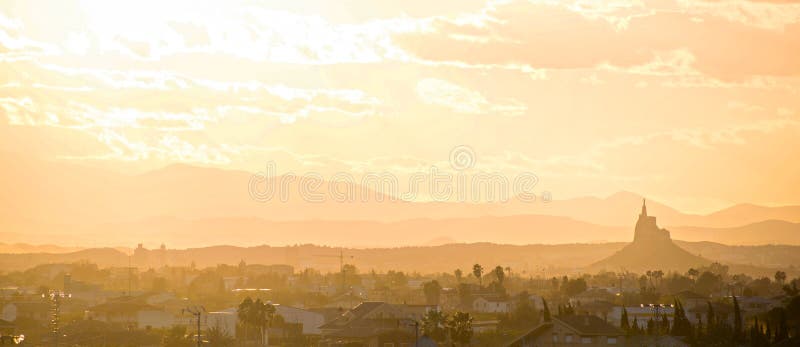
{"x": 522, "y": 229}
{"x": 43, "y": 198}
{"x": 527, "y": 260}
{"x": 19, "y": 248}
{"x": 775, "y": 232}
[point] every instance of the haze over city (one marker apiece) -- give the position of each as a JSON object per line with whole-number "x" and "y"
{"x": 184, "y": 172}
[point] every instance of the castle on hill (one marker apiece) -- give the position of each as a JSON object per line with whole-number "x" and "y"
{"x": 647, "y": 230}
{"x": 652, "y": 248}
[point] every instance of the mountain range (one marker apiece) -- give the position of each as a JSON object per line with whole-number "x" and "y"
{"x": 188, "y": 205}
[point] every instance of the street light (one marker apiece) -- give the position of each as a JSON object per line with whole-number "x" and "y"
{"x": 656, "y": 308}
{"x": 54, "y": 297}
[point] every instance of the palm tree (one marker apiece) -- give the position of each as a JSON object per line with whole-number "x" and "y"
{"x": 498, "y": 272}
{"x": 780, "y": 277}
{"x": 658, "y": 274}
{"x": 260, "y": 315}
{"x": 693, "y": 273}
{"x": 269, "y": 314}
{"x": 477, "y": 270}
{"x": 256, "y": 318}
{"x": 243, "y": 313}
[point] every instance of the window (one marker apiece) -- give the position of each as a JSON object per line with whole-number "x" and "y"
{"x": 555, "y": 337}
{"x": 388, "y": 344}
{"x": 611, "y": 341}
{"x": 586, "y": 340}
{"x": 568, "y": 338}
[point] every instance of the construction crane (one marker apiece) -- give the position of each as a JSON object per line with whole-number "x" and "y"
{"x": 341, "y": 265}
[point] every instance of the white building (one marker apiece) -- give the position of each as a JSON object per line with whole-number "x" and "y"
{"x": 491, "y": 305}
{"x": 227, "y": 319}
{"x": 311, "y": 321}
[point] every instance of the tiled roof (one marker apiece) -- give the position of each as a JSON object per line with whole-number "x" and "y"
{"x": 531, "y": 333}
{"x": 588, "y": 325}
{"x": 365, "y": 307}
{"x": 354, "y": 314}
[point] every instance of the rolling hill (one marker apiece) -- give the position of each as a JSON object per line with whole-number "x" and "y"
{"x": 652, "y": 248}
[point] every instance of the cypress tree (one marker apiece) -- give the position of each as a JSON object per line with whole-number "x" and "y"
{"x": 782, "y": 332}
{"x": 737, "y": 320}
{"x": 623, "y": 324}
{"x": 710, "y": 319}
{"x": 756, "y": 334}
{"x": 546, "y": 310}
{"x": 680, "y": 324}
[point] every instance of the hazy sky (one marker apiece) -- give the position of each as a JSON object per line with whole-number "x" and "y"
{"x": 694, "y": 103}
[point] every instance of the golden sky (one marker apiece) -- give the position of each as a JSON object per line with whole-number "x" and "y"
{"x": 694, "y": 103}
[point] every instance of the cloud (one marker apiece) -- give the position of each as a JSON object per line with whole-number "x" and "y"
{"x": 16, "y": 46}
{"x": 163, "y": 92}
{"x": 556, "y": 37}
{"x": 462, "y": 100}
{"x": 167, "y": 147}
{"x": 142, "y": 114}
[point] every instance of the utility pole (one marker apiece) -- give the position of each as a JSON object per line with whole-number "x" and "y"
{"x": 341, "y": 266}
{"x": 414, "y": 323}
{"x": 196, "y": 311}
{"x": 130, "y": 275}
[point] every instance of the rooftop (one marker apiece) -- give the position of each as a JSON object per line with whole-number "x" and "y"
{"x": 588, "y": 325}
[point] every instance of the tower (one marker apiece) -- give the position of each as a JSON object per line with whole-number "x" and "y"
{"x": 647, "y": 230}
